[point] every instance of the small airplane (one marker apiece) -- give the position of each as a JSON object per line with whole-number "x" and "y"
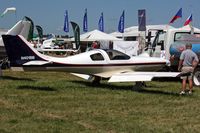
{"x": 110, "y": 64}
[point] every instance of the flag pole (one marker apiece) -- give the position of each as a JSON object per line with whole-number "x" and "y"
{"x": 123, "y": 36}
{"x": 16, "y": 16}
{"x": 192, "y": 28}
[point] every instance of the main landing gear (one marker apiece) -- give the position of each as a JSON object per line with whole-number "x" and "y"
{"x": 96, "y": 80}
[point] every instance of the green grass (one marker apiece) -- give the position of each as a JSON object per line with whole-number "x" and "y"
{"x": 59, "y": 102}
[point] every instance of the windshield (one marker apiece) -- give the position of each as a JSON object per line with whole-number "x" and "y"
{"x": 116, "y": 55}
{"x": 187, "y": 37}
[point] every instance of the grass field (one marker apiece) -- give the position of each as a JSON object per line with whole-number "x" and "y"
{"x": 59, "y": 102}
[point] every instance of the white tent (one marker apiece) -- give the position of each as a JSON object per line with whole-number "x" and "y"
{"x": 187, "y": 27}
{"x": 133, "y": 31}
{"x": 97, "y": 35}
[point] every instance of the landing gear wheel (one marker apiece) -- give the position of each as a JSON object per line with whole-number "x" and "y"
{"x": 96, "y": 80}
{"x": 139, "y": 86}
{"x": 196, "y": 78}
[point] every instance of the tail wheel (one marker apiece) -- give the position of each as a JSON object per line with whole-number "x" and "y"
{"x": 196, "y": 77}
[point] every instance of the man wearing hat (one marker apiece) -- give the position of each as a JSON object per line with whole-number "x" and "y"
{"x": 188, "y": 62}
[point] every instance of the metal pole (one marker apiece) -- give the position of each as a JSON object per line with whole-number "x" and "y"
{"x": 16, "y": 16}
{"x": 0, "y": 71}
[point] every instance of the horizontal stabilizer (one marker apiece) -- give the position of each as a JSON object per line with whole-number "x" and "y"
{"x": 36, "y": 63}
{"x": 140, "y": 76}
{"x": 57, "y": 50}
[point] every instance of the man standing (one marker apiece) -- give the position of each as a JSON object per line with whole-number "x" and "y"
{"x": 188, "y": 62}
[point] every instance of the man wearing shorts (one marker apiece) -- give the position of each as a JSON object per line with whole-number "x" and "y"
{"x": 188, "y": 62}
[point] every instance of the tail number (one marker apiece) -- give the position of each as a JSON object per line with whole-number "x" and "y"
{"x": 27, "y": 57}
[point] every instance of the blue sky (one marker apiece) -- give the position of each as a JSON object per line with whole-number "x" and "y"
{"x": 50, "y": 13}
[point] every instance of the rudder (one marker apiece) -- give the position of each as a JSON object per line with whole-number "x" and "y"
{"x": 18, "y": 51}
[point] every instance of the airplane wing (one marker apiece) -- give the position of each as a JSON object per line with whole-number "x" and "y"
{"x": 36, "y": 63}
{"x": 140, "y": 76}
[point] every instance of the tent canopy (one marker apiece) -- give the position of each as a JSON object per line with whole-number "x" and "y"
{"x": 97, "y": 35}
{"x": 187, "y": 27}
{"x": 133, "y": 31}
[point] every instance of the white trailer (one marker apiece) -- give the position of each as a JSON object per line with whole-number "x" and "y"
{"x": 172, "y": 42}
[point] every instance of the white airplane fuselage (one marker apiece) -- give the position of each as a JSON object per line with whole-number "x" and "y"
{"x": 86, "y": 63}
{"x": 106, "y": 68}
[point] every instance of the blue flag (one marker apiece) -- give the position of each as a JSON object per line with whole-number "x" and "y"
{"x": 85, "y": 23}
{"x": 66, "y": 22}
{"x": 121, "y": 23}
{"x": 142, "y": 20}
{"x": 101, "y": 23}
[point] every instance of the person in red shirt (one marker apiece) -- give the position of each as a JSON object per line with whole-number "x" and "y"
{"x": 95, "y": 45}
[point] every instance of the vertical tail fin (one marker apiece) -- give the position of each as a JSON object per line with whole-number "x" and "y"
{"x": 19, "y": 51}
{"x": 20, "y": 28}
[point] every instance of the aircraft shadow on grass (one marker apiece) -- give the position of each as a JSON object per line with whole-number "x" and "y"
{"x": 40, "y": 88}
{"x": 89, "y": 84}
{"x": 16, "y": 78}
{"x": 147, "y": 91}
{"x": 130, "y": 87}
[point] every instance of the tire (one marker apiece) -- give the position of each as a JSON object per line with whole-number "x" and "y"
{"x": 196, "y": 77}
{"x": 96, "y": 80}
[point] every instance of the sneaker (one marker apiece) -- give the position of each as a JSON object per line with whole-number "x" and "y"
{"x": 190, "y": 92}
{"x": 182, "y": 93}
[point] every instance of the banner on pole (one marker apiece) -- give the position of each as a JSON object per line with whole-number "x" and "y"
{"x": 142, "y": 20}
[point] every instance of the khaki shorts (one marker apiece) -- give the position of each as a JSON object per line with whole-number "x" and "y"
{"x": 187, "y": 69}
